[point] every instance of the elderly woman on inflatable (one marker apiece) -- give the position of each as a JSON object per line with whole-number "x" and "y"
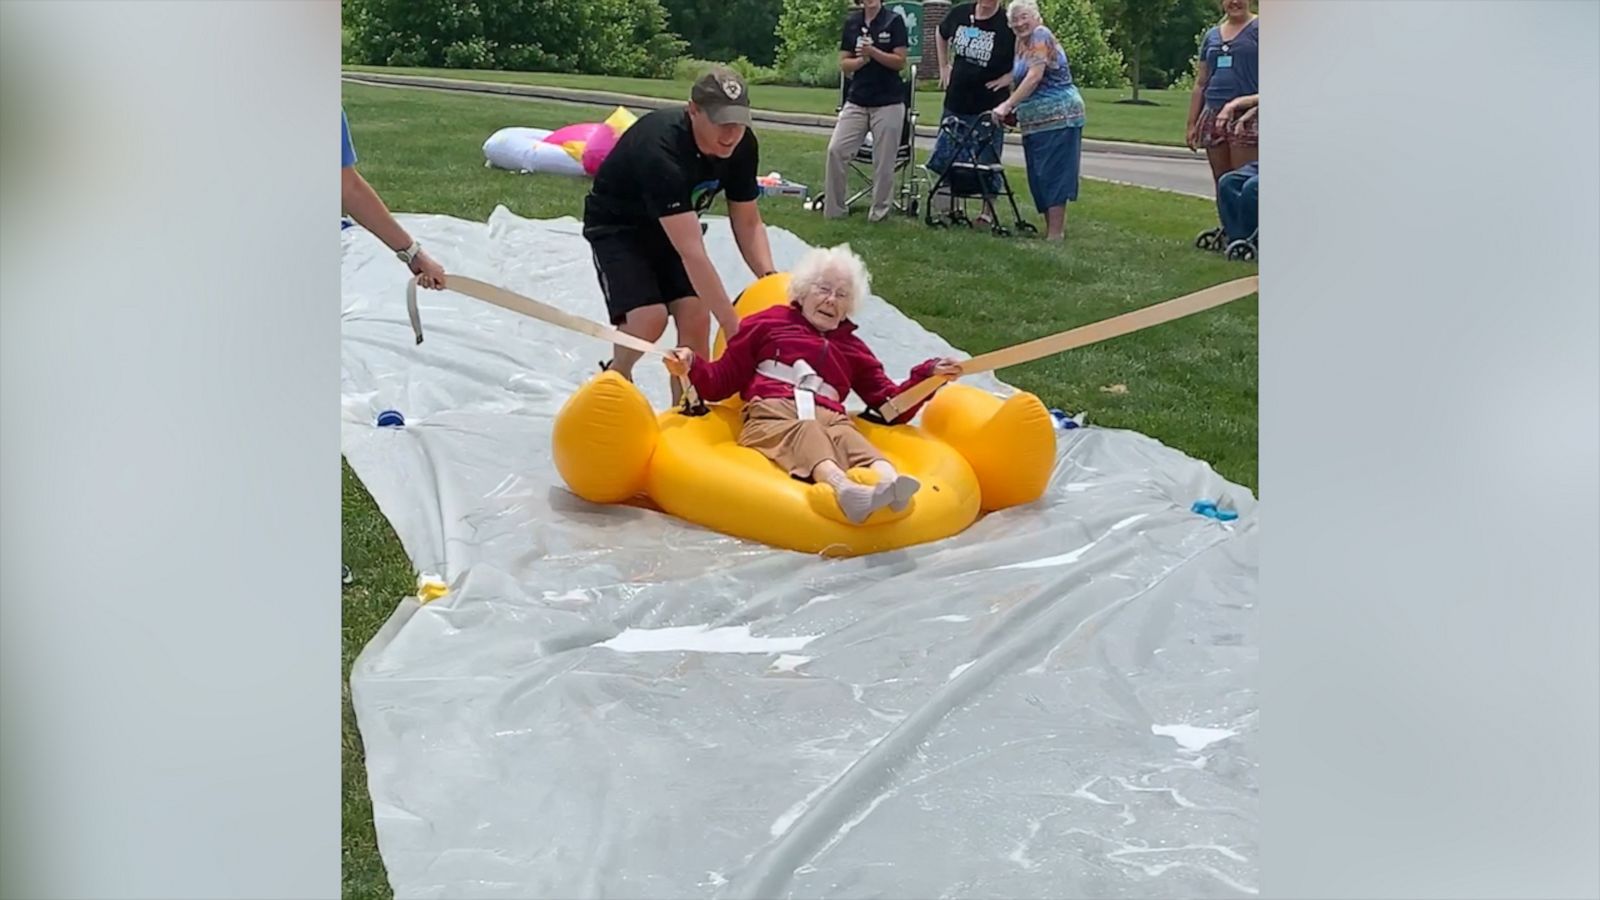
{"x": 794, "y": 365}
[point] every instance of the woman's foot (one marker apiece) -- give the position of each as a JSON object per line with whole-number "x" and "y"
{"x": 893, "y": 489}
{"x": 900, "y": 491}
{"x": 857, "y": 501}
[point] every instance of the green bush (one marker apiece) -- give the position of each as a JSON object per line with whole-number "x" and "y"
{"x": 810, "y": 26}
{"x": 752, "y": 73}
{"x": 1077, "y": 25}
{"x": 600, "y": 37}
{"x": 470, "y": 54}
{"x": 688, "y": 69}
{"x": 811, "y": 68}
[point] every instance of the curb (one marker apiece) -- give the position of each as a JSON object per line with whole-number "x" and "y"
{"x": 609, "y": 98}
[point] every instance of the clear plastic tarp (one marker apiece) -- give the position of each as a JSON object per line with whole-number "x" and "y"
{"x": 610, "y": 702}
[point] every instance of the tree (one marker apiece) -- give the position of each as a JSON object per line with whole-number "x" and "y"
{"x": 1134, "y": 26}
{"x": 810, "y": 26}
{"x": 727, "y": 29}
{"x": 1177, "y": 44}
{"x": 1076, "y": 23}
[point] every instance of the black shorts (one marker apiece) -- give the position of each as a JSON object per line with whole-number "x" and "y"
{"x": 637, "y": 270}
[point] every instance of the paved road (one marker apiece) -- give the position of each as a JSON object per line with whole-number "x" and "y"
{"x": 1161, "y": 168}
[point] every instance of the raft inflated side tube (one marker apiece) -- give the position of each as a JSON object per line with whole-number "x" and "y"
{"x": 1011, "y": 444}
{"x": 604, "y": 437}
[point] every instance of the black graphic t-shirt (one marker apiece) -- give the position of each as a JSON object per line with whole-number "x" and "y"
{"x": 656, "y": 170}
{"x": 980, "y": 51}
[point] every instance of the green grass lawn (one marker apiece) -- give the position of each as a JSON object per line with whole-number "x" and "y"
{"x": 1190, "y": 383}
{"x": 1107, "y": 121}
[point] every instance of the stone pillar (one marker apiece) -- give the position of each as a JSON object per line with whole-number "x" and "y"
{"x": 933, "y": 12}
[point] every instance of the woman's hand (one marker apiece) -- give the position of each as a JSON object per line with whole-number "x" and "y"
{"x": 947, "y": 367}
{"x": 944, "y": 77}
{"x": 679, "y": 361}
{"x": 1003, "y": 109}
{"x": 1192, "y": 136}
{"x": 999, "y": 84}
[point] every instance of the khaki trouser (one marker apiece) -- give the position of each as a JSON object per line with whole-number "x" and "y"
{"x": 885, "y": 123}
{"x": 797, "y": 445}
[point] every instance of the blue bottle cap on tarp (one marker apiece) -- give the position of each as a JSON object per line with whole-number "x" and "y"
{"x": 391, "y": 418}
{"x": 1062, "y": 419}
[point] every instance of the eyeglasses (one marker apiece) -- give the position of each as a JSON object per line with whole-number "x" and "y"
{"x": 838, "y": 293}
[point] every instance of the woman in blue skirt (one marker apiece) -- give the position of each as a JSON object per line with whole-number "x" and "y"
{"x": 1049, "y": 114}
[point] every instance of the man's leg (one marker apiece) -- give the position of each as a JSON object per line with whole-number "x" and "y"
{"x": 692, "y": 320}
{"x": 848, "y": 133}
{"x": 634, "y": 301}
{"x": 645, "y": 322}
{"x": 887, "y": 123}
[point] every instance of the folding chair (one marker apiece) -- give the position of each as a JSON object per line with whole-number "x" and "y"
{"x": 909, "y": 175}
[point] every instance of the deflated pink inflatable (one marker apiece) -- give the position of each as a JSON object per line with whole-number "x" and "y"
{"x": 599, "y": 145}
{"x": 580, "y": 133}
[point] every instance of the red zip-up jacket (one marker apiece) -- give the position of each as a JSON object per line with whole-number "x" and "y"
{"x": 782, "y": 333}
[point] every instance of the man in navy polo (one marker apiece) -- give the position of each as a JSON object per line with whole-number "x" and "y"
{"x": 872, "y": 53}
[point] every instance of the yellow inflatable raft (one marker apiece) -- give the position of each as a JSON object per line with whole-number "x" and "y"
{"x": 973, "y": 453}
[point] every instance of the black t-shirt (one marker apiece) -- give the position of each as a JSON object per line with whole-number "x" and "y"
{"x": 875, "y": 84}
{"x": 656, "y": 170}
{"x": 980, "y": 51}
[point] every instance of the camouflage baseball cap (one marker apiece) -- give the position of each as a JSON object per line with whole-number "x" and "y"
{"x": 722, "y": 96}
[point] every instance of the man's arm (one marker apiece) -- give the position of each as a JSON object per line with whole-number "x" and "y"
{"x": 363, "y": 204}
{"x": 683, "y": 230}
{"x": 750, "y": 233}
{"x": 744, "y": 216}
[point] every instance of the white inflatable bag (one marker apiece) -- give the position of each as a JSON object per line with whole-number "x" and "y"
{"x": 524, "y": 150}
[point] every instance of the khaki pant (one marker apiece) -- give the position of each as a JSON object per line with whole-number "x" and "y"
{"x": 797, "y": 445}
{"x": 886, "y": 124}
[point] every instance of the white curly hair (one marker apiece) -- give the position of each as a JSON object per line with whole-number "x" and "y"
{"x": 1017, "y": 8}
{"x": 833, "y": 264}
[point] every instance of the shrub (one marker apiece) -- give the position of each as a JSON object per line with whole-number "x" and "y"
{"x": 1077, "y": 25}
{"x": 470, "y": 54}
{"x": 809, "y": 26}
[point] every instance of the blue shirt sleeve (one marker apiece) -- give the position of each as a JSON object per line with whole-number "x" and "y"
{"x": 349, "y": 149}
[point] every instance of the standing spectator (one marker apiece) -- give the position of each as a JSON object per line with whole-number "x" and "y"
{"x": 872, "y": 51}
{"x": 1228, "y": 68}
{"x": 363, "y": 204}
{"x": 976, "y": 50}
{"x": 1050, "y": 115}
